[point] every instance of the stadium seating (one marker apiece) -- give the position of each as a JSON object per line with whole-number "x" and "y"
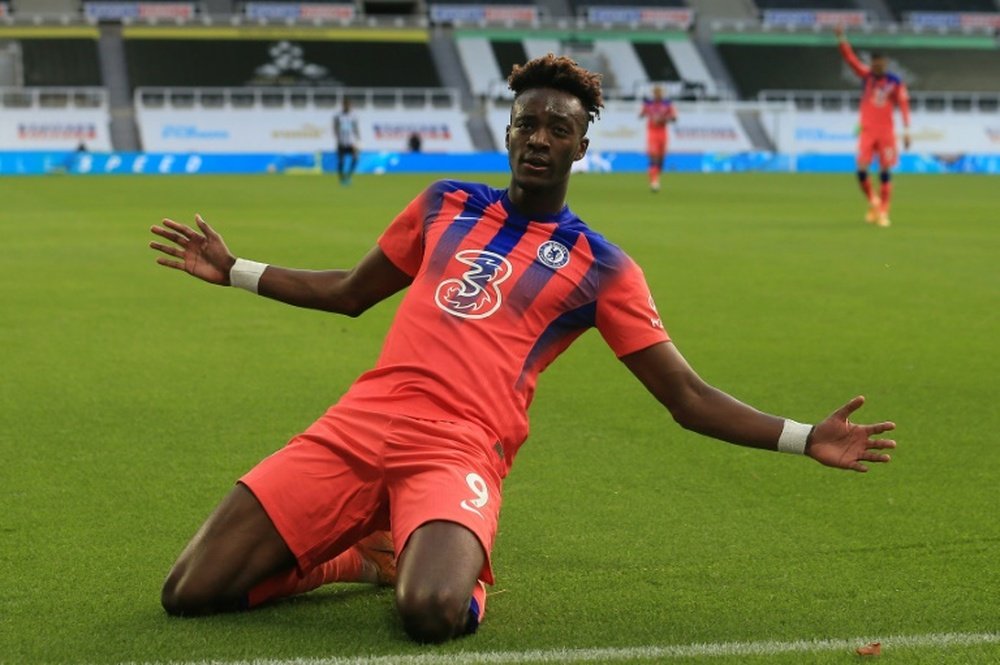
{"x": 581, "y": 4}
{"x": 900, "y": 8}
{"x": 627, "y": 65}
{"x": 480, "y": 2}
{"x": 753, "y": 69}
{"x": 60, "y": 62}
{"x": 807, "y": 4}
{"x": 256, "y": 62}
{"x": 220, "y": 61}
{"x": 656, "y": 61}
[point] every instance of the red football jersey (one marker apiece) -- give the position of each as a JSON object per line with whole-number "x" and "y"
{"x": 879, "y": 97}
{"x": 495, "y": 298}
{"x": 658, "y": 113}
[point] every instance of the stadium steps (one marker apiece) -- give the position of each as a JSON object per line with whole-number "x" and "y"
{"x": 708, "y": 10}
{"x": 481, "y": 69}
{"x": 444, "y": 54}
{"x": 537, "y": 47}
{"x": 877, "y": 9}
{"x": 111, "y": 57}
{"x": 11, "y": 73}
{"x": 744, "y": 10}
{"x": 448, "y": 62}
{"x": 752, "y": 125}
{"x": 555, "y": 7}
{"x": 690, "y": 65}
{"x": 624, "y": 63}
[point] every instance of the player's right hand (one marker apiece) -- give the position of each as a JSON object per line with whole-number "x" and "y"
{"x": 203, "y": 255}
{"x": 839, "y": 31}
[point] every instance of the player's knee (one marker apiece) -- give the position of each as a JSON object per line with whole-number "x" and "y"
{"x": 884, "y": 177}
{"x": 432, "y": 615}
{"x": 862, "y": 175}
{"x": 171, "y": 598}
{"x": 183, "y": 596}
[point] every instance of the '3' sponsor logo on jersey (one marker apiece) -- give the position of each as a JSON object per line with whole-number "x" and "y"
{"x": 476, "y": 294}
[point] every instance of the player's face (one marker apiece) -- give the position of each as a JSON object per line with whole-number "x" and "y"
{"x": 878, "y": 66}
{"x": 545, "y": 136}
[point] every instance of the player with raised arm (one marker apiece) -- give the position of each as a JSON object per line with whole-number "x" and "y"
{"x": 499, "y": 283}
{"x": 882, "y": 92}
{"x": 658, "y": 112}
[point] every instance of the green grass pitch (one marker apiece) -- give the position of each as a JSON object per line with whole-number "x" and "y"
{"x": 133, "y": 396}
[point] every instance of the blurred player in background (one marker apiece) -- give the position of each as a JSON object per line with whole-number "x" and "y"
{"x": 499, "y": 283}
{"x": 345, "y": 129}
{"x": 657, "y": 111}
{"x": 882, "y": 93}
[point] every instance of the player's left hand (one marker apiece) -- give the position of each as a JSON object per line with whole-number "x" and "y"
{"x": 906, "y": 141}
{"x": 839, "y": 443}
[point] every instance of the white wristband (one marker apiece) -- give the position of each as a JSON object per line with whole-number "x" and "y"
{"x": 794, "y": 437}
{"x": 246, "y": 274}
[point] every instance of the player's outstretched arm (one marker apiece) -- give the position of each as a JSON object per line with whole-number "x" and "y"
{"x": 204, "y": 255}
{"x": 847, "y": 53}
{"x": 700, "y": 407}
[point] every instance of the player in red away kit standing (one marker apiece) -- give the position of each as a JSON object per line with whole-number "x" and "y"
{"x": 882, "y": 93}
{"x": 657, "y": 111}
{"x": 499, "y": 283}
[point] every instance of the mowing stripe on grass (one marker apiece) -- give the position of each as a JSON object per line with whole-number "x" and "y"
{"x": 630, "y": 653}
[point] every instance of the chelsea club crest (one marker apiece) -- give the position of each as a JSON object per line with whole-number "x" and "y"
{"x": 554, "y": 254}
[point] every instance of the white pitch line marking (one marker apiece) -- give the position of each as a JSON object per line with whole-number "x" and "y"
{"x": 625, "y": 653}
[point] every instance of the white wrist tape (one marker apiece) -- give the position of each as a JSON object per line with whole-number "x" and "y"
{"x": 246, "y": 274}
{"x": 794, "y": 437}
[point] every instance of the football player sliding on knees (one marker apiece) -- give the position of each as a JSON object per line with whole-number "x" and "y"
{"x": 400, "y": 482}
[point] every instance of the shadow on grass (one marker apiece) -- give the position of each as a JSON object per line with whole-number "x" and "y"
{"x": 338, "y": 620}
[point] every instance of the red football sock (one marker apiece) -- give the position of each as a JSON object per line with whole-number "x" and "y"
{"x": 346, "y": 567}
{"x": 654, "y": 173}
{"x": 885, "y": 193}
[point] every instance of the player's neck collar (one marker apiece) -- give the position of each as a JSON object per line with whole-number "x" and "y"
{"x": 561, "y": 217}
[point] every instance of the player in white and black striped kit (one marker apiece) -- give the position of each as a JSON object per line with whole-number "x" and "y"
{"x": 347, "y": 135}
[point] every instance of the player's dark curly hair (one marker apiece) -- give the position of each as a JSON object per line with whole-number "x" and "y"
{"x": 561, "y": 73}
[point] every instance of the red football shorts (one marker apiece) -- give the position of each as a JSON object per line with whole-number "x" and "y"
{"x": 353, "y": 472}
{"x": 882, "y": 144}
{"x": 656, "y": 141}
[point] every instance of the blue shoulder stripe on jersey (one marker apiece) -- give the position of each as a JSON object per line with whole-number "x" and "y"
{"x": 607, "y": 255}
{"x": 479, "y": 198}
{"x": 435, "y": 199}
{"x": 506, "y": 238}
{"x": 568, "y": 323}
{"x": 458, "y": 228}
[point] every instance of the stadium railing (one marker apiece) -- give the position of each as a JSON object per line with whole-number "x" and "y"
{"x": 54, "y": 98}
{"x": 298, "y": 97}
{"x": 869, "y": 26}
{"x": 839, "y": 100}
